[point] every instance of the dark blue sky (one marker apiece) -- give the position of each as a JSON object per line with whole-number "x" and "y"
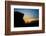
{"x": 34, "y": 13}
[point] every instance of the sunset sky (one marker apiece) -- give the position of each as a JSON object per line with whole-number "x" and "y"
{"x": 29, "y": 14}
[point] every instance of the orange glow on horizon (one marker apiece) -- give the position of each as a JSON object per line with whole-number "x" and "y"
{"x": 28, "y": 19}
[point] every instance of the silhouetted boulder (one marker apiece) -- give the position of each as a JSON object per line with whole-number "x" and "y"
{"x": 19, "y": 22}
{"x": 18, "y": 19}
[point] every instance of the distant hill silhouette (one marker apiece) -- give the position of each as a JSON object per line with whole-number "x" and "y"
{"x": 19, "y": 22}
{"x": 33, "y": 23}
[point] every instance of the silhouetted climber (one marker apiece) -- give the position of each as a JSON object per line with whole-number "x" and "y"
{"x": 18, "y": 19}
